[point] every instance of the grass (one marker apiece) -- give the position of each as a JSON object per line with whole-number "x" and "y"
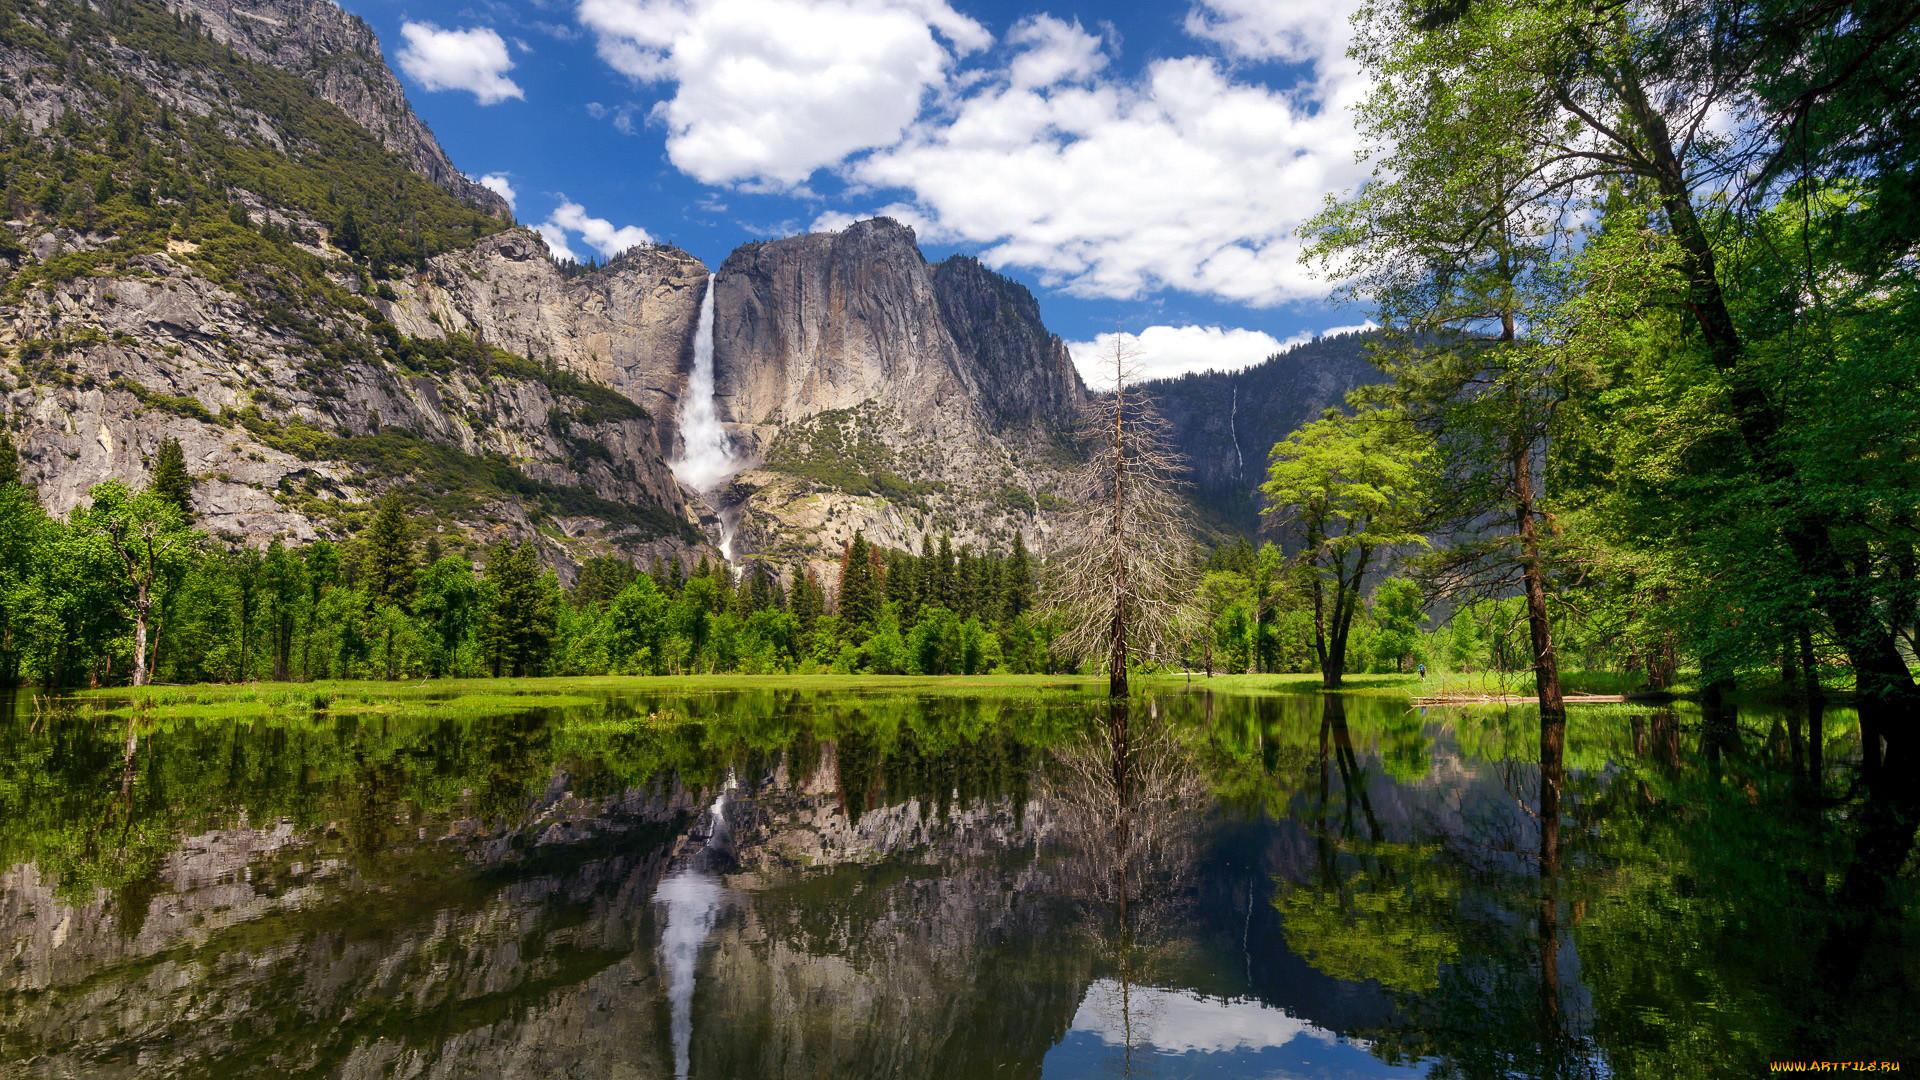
{"x": 1436, "y": 684}
{"x": 446, "y": 696}
{"x": 441, "y": 696}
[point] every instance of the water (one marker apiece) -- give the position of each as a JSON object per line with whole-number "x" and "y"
{"x": 706, "y": 457}
{"x": 789, "y": 883}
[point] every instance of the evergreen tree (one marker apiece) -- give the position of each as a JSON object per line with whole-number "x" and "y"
{"x": 9, "y": 460}
{"x": 903, "y": 584}
{"x": 859, "y": 589}
{"x": 809, "y": 600}
{"x": 1018, "y": 580}
{"x": 170, "y": 480}
{"x": 520, "y": 621}
{"x": 940, "y": 593}
{"x": 386, "y": 568}
{"x": 926, "y": 576}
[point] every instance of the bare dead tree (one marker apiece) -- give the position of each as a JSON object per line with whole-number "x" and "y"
{"x": 1121, "y": 573}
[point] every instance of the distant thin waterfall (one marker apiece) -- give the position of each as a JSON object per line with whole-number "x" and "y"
{"x": 1233, "y": 429}
{"x": 706, "y": 454}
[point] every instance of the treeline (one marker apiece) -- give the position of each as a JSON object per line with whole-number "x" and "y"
{"x": 126, "y": 590}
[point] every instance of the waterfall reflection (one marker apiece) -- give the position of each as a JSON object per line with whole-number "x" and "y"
{"x": 693, "y": 897}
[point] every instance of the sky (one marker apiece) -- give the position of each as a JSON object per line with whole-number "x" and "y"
{"x": 1141, "y": 167}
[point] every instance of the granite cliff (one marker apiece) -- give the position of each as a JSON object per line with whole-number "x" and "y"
{"x": 253, "y": 246}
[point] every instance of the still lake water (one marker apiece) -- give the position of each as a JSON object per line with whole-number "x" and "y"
{"x": 838, "y": 884}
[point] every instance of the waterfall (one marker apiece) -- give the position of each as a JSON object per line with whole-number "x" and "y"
{"x": 706, "y": 453}
{"x": 1233, "y": 429}
{"x": 693, "y": 898}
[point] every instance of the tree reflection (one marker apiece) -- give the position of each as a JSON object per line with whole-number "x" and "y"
{"x": 1463, "y": 925}
{"x": 1128, "y": 798}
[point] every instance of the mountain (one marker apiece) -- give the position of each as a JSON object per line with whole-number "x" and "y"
{"x": 1225, "y": 423}
{"x": 224, "y": 225}
{"x": 866, "y": 389}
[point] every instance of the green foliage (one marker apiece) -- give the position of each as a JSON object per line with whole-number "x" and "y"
{"x": 9, "y": 459}
{"x": 1353, "y": 490}
{"x": 840, "y": 449}
{"x": 169, "y": 478}
{"x": 387, "y": 562}
{"x": 518, "y": 635}
{"x": 128, "y": 166}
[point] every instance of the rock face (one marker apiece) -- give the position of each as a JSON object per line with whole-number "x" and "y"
{"x": 337, "y": 54}
{"x": 1225, "y": 423}
{"x": 996, "y": 322}
{"x": 125, "y": 361}
{"x": 628, "y": 325}
{"x": 857, "y": 381}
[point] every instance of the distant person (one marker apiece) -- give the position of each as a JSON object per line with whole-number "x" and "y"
{"x": 1422, "y": 669}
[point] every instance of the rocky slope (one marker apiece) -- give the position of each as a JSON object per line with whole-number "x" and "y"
{"x": 337, "y": 54}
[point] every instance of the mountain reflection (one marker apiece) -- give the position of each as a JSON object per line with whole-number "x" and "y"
{"x": 783, "y": 883}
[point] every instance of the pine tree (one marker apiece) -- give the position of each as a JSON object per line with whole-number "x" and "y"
{"x": 170, "y": 480}
{"x": 520, "y": 624}
{"x": 940, "y": 585}
{"x": 809, "y": 600}
{"x": 859, "y": 591}
{"x": 9, "y": 460}
{"x": 1018, "y": 578}
{"x": 926, "y": 576}
{"x": 964, "y": 601}
{"x": 386, "y": 568}
{"x": 903, "y": 584}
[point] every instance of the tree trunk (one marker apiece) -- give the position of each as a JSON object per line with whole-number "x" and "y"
{"x": 1538, "y": 629}
{"x": 1889, "y": 698}
{"x": 141, "y": 610}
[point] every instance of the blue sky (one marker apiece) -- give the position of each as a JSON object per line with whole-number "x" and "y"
{"x": 1140, "y": 167}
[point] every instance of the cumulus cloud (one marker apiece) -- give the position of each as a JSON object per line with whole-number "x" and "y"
{"x": 570, "y": 219}
{"x": 499, "y": 185}
{"x": 1313, "y": 33}
{"x": 474, "y": 60}
{"x": 1184, "y": 177}
{"x": 1164, "y": 352}
{"x": 770, "y": 90}
{"x": 1052, "y": 51}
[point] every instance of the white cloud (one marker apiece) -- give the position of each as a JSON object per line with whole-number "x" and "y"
{"x": 1051, "y": 51}
{"x": 1183, "y": 1022}
{"x": 473, "y": 60}
{"x": 570, "y": 218}
{"x": 1164, "y": 352}
{"x": 770, "y": 90}
{"x": 621, "y": 116}
{"x": 499, "y": 185}
{"x": 1314, "y": 32}
{"x": 556, "y": 238}
{"x": 1183, "y": 178}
